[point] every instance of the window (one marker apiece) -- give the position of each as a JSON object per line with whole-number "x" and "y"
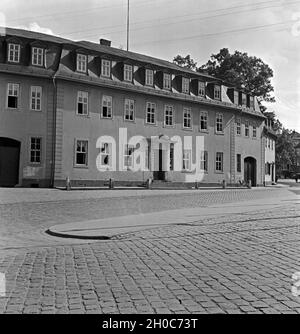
{"x": 105, "y": 68}
{"x": 167, "y": 81}
{"x": 219, "y": 162}
{"x": 150, "y": 113}
{"x": 128, "y": 156}
{"x": 169, "y": 115}
{"x": 238, "y": 163}
{"x": 268, "y": 168}
{"x": 201, "y": 88}
{"x": 171, "y": 156}
{"x": 106, "y": 155}
{"x": 217, "y": 92}
{"x": 149, "y": 77}
{"x": 12, "y": 95}
{"x": 269, "y": 144}
{"x": 246, "y": 128}
{"x": 187, "y": 118}
{"x": 238, "y": 126}
{"x": 187, "y": 155}
{"x": 81, "y": 63}
{"x": 81, "y": 155}
{"x": 36, "y": 98}
{"x": 82, "y": 103}
{"x": 38, "y": 56}
{"x": 203, "y": 120}
{"x": 219, "y": 123}
{"x": 272, "y": 144}
{"x": 127, "y": 72}
{"x": 129, "y": 110}
{"x": 185, "y": 85}
{"x": 244, "y": 99}
{"x": 254, "y": 132}
{"x": 204, "y": 160}
{"x": 14, "y": 53}
{"x": 106, "y": 106}
{"x": 251, "y": 102}
{"x": 236, "y": 97}
{"x": 35, "y": 150}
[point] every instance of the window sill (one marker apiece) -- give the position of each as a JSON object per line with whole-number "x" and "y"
{"x": 219, "y": 133}
{"x": 169, "y": 126}
{"x": 204, "y": 131}
{"x": 151, "y": 124}
{"x": 84, "y": 116}
{"x": 109, "y": 118}
{"x": 218, "y": 172}
{"x": 187, "y": 129}
{"x": 12, "y": 109}
{"x": 81, "y": 166}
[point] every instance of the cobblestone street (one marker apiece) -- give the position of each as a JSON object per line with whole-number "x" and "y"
{"x": 227, "y": 263}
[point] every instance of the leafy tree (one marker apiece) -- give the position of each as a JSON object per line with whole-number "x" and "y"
{"x": 276, "y": 124}
{"x": 186, "y": 62}
{"x": 285, "y": 151}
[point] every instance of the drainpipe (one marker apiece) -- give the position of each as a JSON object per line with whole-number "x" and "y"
{"x": 53, "y": 132}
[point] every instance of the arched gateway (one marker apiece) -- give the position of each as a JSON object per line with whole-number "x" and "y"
{"x": 9, "y": 162}
{"x": 250, "y": 170}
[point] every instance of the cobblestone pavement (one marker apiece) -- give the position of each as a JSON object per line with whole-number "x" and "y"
{"x": 240, "y": 263}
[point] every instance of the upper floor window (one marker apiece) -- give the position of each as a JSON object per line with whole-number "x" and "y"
{"x": 36, "y": 98}
{"x": 14, "y": 51}
{"x": 187, "y": 159}
{"x": 238, "y": 126}
{"x": 169, "y": 115}
{"x": 217, "y": 92}
{"x": 203, "y": 121}
{"x": 167, "y": 81}
{"x": 187, "y": 118}
{"x": 105, "y": 68}
{"x": 81, "y": 63}
{"x": 128, "y": 72}
{"x": 201, "y": 88}
{"x": 219, "y": 161}
{"x": 219, "y": 122}
{"x": 82, "y": 103}
{"x": 246, "y": 128}
{"x": 35, "y": 150}
{"x": 254, "y": 131}
{"x": 149, "y": 77}
{"x": 185, "y": 85}
{"x": 150, "y": 112}
{"x": 81, "y": 153}
{"x": 244, "y": 99}
{"x": 129, "y": 110}
{"x": 106, "y": 106}
{"x": 37, "y": 56}
{"x": 13, "y": 95}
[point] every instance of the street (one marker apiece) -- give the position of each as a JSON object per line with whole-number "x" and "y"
{"x": 238, "y": 256}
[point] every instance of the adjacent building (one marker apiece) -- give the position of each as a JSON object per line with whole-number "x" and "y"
{"x": 90, "y": 112}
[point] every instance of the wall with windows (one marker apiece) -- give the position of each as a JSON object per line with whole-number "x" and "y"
{"x": 269, "y": 159}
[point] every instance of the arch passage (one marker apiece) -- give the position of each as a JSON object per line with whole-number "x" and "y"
{"x": 9, "y": 162}
{"x": 250, "y": 170}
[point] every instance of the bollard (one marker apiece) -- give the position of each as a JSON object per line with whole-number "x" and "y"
{"x": 68, "y": 183}
{"x": 249, "y": 184}
{"x": 224, "y": 184}
{"x": 111, "y": 184}
{"x": 196, "y": 185}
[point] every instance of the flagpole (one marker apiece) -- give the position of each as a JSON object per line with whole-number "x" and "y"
{"x": 127, "y": 25}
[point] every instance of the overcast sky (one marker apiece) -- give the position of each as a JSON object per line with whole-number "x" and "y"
{"x": 269, "y": 30}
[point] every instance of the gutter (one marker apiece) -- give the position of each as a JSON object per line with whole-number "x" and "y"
{"x": 53, "y": 132}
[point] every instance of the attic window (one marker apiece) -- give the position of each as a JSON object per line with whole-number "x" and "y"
{"x": 14, "y": 53}
{"x": 37, "y": 56}
{"x": 185, "y": 85}
{"x": 251, "y": 102}
{"x": 244, "y": 99}
{"x": 127, "y": 72}
{"x": 201, "y": 88}
{"x": 217, "y": 92}
{"x": 81, "y": 63}
{"x": 236, "y": 97}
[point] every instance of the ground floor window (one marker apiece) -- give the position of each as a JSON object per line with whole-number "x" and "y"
{"x": 106, "y": 155}
{"x": 187, "y": 157}
{"x": 128, "y": 156}
{"x": 219, "y": 162}
{"x": 204, "y": 160}
{"x": 35, "y": 150}
{"x": 81, "y": 155}
{"x": 238, "y": 163}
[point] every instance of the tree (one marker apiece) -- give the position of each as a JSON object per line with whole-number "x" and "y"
{"x": 276, "y": 124}
{"x": 186, "y": 62}
{"x": 244, "y": 72}
{"x": 285, "y": 150}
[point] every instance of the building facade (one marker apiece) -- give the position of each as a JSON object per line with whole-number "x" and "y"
{"x": 269, "y": 138}
{"x": 90, "y": 112}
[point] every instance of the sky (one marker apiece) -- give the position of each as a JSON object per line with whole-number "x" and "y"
{"x": 269, "y": 30}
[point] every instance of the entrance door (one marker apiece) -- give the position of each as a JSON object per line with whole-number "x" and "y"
{"x": 250, "y": 170}
{"x": 160, "y": 174}
{"x": 9, "y": 162}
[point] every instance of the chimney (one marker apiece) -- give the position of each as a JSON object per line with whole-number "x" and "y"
{"x": 105, "y": 42}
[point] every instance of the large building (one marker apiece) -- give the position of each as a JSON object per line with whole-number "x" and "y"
{"x": 90, "y": 112}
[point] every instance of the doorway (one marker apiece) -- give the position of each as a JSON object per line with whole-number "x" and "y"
{"x": 160, "y": 174}
{"x": 250, "y": 170}
{"x": 9, "y": 162}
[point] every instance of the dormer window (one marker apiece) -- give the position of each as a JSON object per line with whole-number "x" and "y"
{"x": 185, "y": 85}
{"x": 217, "y": 92}
{"x": 81, "y": 63}
{"x": 167, "y": 81}
{"x": 149, "y": 77}
{"x": 251, "y": 102}
{"x": 37, "y": 56}
{"x": 105, "y": 68}
{"x": 201, "y": 88}
{"x": 236, "y": 97}
{"x": 128, "y": 72}
{"x": 14, "y": 51}
{"x": 244, "y": 99}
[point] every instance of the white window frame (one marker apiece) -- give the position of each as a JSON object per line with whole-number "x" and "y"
{"x": 37, "y": 58}
{"x": 129, "y": 110}
{"x": 217, "y": 92}
{"x": 35, "y": 150}
{"x": 185, "y": 85}
{"x": 128, "y": 72}
{"x": 254, "y": 131}
{"x": 36, "y": 98}
{"x": 81, "y": 63}
{"x": 83, "y": 98}
{"x": 244, "y": 99}
{"x": 128, "y": 155}
{"x": 203, "y": 114}
{"x": 219, "y": 116}
{"x": 251, "y": 102}
{"x": 167, "y": 81}
{"x": 187, "y": 160}
{"x": 151, "y": 112}
{"x": 107, "y": 103}
{"x": 14, "y": 52}
{"x": 187, "y": 118}
{"x": 219, "y": 162}
{"x": 236, "y": 97}
{"x": 238, "y": 127}
{"x": 106, "y": 151}
{"x": 247, "y": 129}
{"x": 201, "y": 88}
{"x": 105, "y": 68}
{"x": 149, "y": 77}
{"x": 15, "y": 89}
{"x": 204, "y": 161}
{"x": 169, "y": 116}
{"x": 86, "y": 153}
